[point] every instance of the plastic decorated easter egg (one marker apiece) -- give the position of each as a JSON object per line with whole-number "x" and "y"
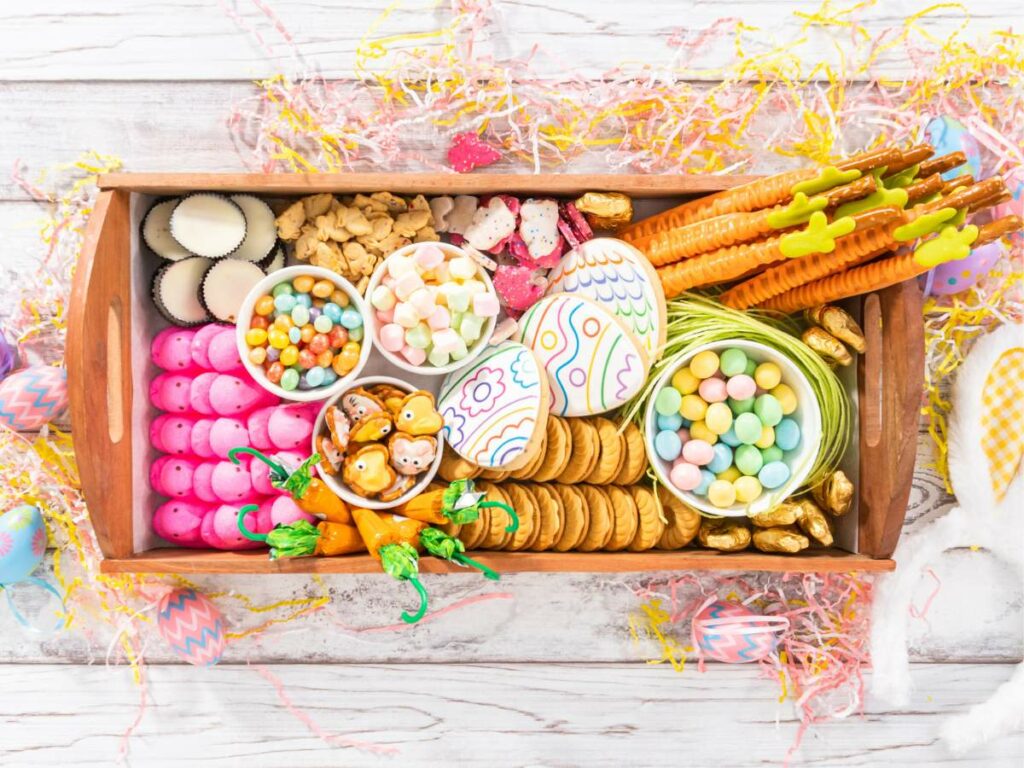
{"x": 956, "y": 276}
{"x": 33, "y": 397}
{"x": 947, "y": 134}
{"x": 22, "y": 543}
{"x": 732, "y": 633}
{"x": 192, "y": 626}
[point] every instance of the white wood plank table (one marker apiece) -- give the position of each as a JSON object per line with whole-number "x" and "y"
{"x": 508, "y": 682}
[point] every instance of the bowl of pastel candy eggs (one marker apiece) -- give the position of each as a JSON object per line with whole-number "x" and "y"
{"x": 434, "y": 306}
{"x": 302, "y": 333}
{"x": 733, "y": 428}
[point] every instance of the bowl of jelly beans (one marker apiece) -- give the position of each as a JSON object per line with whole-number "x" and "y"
{"x": 733, "y": 428}
{"x": 302, "y": 333}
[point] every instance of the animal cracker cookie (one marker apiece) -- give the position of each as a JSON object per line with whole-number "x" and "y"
{"x": 624, "y": 521}
{"x": 611, "y": 454}
{"x": 585, "y": 449}
{"x": 495, "y": 409}
{"x": 593, "y": 362}
{"x": 577, "y": 519}
{"x": 616, "y": 275}
{"x": 650, "y": 526}
{"x": 602, "y": 517}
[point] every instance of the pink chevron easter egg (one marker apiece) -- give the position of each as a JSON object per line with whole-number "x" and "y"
{"x": 192, "y": 626}
{"x": 730, "y": 632}
{"x": 33, "y": 397}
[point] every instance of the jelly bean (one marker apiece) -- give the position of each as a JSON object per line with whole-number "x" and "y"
{"x": 722, "y": 494}
{"x": 787, "y": 434}
{"x": 747, "y": 489}
{"x": 693, "y": 407}
{"x": 350, "y": 318}
{"x": 747, "y": 427}
{"x": 786, "y": 397}
{"x": 729, "y": 438}
{"x": 356, "y": 334}
{"x": 748, "y": 460}
{"x": 264, "y": 305}
{"x": 773, "y": 452}
{"x": 667, "y": 445}
{"x": 290, "y": 379}
{"x": 329, "y": 376}
{"x": 740, "y": 387}
{"x": 337, "y": 337}
{"x": 314, "y": 313}
{"x": 260, "y": 322}
{"x": 284, "y": 322}
{"x": 685, "y": 476}
{"x": 347, "y": 359}
{"x": 673, "y": 421}
{"x": 730, "y": 474}
{"x": 722, "y": 459}
{"x": 718, "y": 418}
{"x": 704, "y": 364}
{"x": 325, "y": 358}
{"x": 751, "y": 368}
{"x": 706, "y": 479}
{"x": 304, "y": 383}
{"x": 307, "y": 359}
{"x": 685, "y": 381}
{"x": 699, "y": 452}
{"x": 304, "y": 300}
{"x": 768, "y": 410}
{"x": 274, "y": 354}
{"x": 340, "y": 298}
{"x": 284, "y": 302}
{"x": 668, "y": 401}
{"x": 741, "y": 406}
{"x": 274, "y": 372}
{"x": 712, "y": 390}
{"x": 306, "y": 333}
{"x": 768, "y": 375}
{"x": 323, "y": 324}
{"x": 295, "y": 335}
{"x": 734, "y": 362}
{"x": 315, "y": 376}
{"x": 303, "y": 283}
{"x": 289, "y": 355}
{"x": 333, "y": 312}
{"x": 300, "y": 315}
{"x": 277, "y": 338}
{"x": 767, "y": 438}
{"x": 773, "y": 474}
{"x": 257, "y": 355}
{"x": 255, "y": 337}
{"x": 700, "y": 431}
{"x": 282, "y": 289}
{"x": 322, "y": 289}
{"x": 319, "y": 343}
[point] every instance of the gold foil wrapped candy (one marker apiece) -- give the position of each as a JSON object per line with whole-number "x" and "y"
{"x": 606, "y": 210}
{"x": 724, "y": 535}
{"x": 786, "y": 539}
{"x": 840, "y": 324}
{"x": 786, "y": 513}
{"x": 813, "y": 522}
{"x": 835, "y": 493}
{"x": 827, "y": 345}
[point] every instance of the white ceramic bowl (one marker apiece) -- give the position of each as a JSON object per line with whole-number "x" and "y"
{"x": 800, "y": 459}
{"x": 335, "y": 484}
{"x": 427, "y": 369}
{"x": 265, "y": 286}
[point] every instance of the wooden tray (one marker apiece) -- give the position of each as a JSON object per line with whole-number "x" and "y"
{"x": 101, "y": 369}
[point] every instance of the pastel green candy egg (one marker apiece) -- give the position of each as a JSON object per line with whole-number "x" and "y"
{"x": 773, "y": 474}
{"x": 768, "y": 410}
{"x": 718, "y": 418}
{"x": 750, "y": 368}
{"x": 747, "y": 489}
{"x": 747, "y": 427}
{"x": 356, "y": 334}
{"x": 741, "y": 406}
{"x": 729, "y": 438}
{"x": 668, "y": 401}
{"x": 748, "y": 459}
{"x": 733, "y": 362}
{"x": 772, "y": 453}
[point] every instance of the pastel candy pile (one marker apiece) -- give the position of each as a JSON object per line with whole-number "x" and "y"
{"x": 725, "y": 425}
{"x": 208, "y": 405}
{"x": 305, "y": 334}
{"x": 432, "y": 306}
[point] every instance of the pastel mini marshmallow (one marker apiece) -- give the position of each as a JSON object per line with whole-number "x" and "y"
{"x": 475, "y": 287}
{"x": 406, "y": 315}
{"x": 400, "y": 265}
{"x": 438, "y": 358}
{"x": 422, "y": 300}
{"x": 457, "y": 297}
{"x": 462, "y": 268}
{"x": 429, "y": 256}
{"x": 485, "y": 305}
{"x": 439, "y": 319}
{"x": 446, "y": 341}
{"x": 471, "y": 328}
{"x": 414, "y": 356}
{"x": 406, "y": 284}
{"x": 460, "y": 351}
{"x": 382, "y": 298}
{"x": 386, "y": 315}
{"x": 392, "y": 337}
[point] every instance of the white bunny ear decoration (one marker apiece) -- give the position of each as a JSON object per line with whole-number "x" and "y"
{"x": 986, "y": 445}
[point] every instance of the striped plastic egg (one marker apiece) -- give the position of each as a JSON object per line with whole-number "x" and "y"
{"x": 193, "y": 626}
{"x": 22, "y": 543}
{"x": 732, "y": 633}
{"x": 33, "y": 397}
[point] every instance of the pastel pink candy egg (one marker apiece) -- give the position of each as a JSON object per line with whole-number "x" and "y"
{"x": 223, "y": 352}
{"x": 201, "y": 344}
{"x": 154, "y": 431}
{"x": 712, "y": 390}
{"x": 200, "y": 438}
{"x": 284, "y": 510}
{"x": 413, "y": 356}
{"x": 740, "y": 387}
{"x": 171, "y": 349}
{"x": 154, "y": 474}
{"x": 257, "y": 424}
{"x": 208, "y": 533}
{"x": 176, "y": 477}
{"x": 231, "y": 482}
{"x": 199, "y": 393}
{"x": 225, "y": 525}
{"x": 684, "y": 434}
{"x": 179, "y": 521}
{"x": 175, "y": 435}
{"x": 227, "y": 434}
{"x": 170, "y": 392}
{"x": 231, "y": 396}
{"x": 290, "y": 427}
{"x": 698, "y": 452}
{"x": 202, "y": 482}
{"x": 685, "y": 476}
{"x": 392, "y": 337}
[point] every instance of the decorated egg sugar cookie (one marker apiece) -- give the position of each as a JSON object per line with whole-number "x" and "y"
{"x": 593, "y": 361}
{"x": 495, "y": 409}
{"x": 619, "y": 278}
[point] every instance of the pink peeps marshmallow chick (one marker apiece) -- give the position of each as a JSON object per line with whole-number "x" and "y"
{"x": 439, "y": 319}
{"x": 414, "y": 356}
{"x": 290, "y": 426}
{"x": 200, "y": 438}
{"x": 170, "y": 392}
{"x": 257, "y": 424}
{"x": 392, "y": 337}
{"x": 485, "y": 305}
{"x": 223, "y": 352}
{"x": 155, "y": 426}
{"x": 154, "y": 473}
{"x": 227, "y": 434}
{"x": 225, "y": 525}
{"x": 171, "y": 349}
{"x": 283, "y": 510}
{"x": 231, "y": 482}
{"x": 259, "y": 476}
{"x": 179, "y": 522}
{"x": 201, "y": 344}
{"x": 263, "y": 523}
{"x": 202, "y": 482}
{"x": 208, "y": 533}
{"x": 176, "y": 435}
{"x": 199, "y": 393}
{"x": 176, "y": 477}
{"x": 233, "y": 396}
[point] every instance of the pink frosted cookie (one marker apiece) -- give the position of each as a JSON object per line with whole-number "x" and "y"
{"x": 200, "y": 438}
{"x": 199, "y": 393}
{"x": 231, "y": 482}
{"x": 257, "y": 423}
{"x": 283, "y": 510}
{"x": 170, "y": 392}
{"x": 201, "y": 344}
{"x": 227, "y": 434}
{"x": 175, "y": 435}
{"x": 223, "y": 352}
{"x": 225, "y": 526}
{"x": 154, "y": 431}
{"x": 202, "y": 482}
{"x": 290, "y": 426}
{"x": 171, "y": 349}
{"x": 154, "y": 474}
{"x": 179, "y": 522}
{"x": 517, "y": 287}
{"x": 233, "y": 396}
{"x": 176, "y": 477}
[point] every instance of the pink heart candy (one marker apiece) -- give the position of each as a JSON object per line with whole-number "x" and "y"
{"x": 223, "y": 352}
{"x": 468, "y": 151}
{"x": 171, "y": 349}
{"x": 201, "y": 344}
{"x": 227, "y": 434}
{"x": 231, "y": 482}
{"x": 200, "y": 438}
{"x": 179, "y": 522}
{"x": 202, "y": 482}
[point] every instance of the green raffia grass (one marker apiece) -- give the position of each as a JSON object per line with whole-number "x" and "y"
{"x": 694, "y": 320}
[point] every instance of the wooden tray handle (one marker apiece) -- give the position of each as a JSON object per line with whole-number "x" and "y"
{"x": 99, "y": 371}
{"x": 891, "y": 380}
